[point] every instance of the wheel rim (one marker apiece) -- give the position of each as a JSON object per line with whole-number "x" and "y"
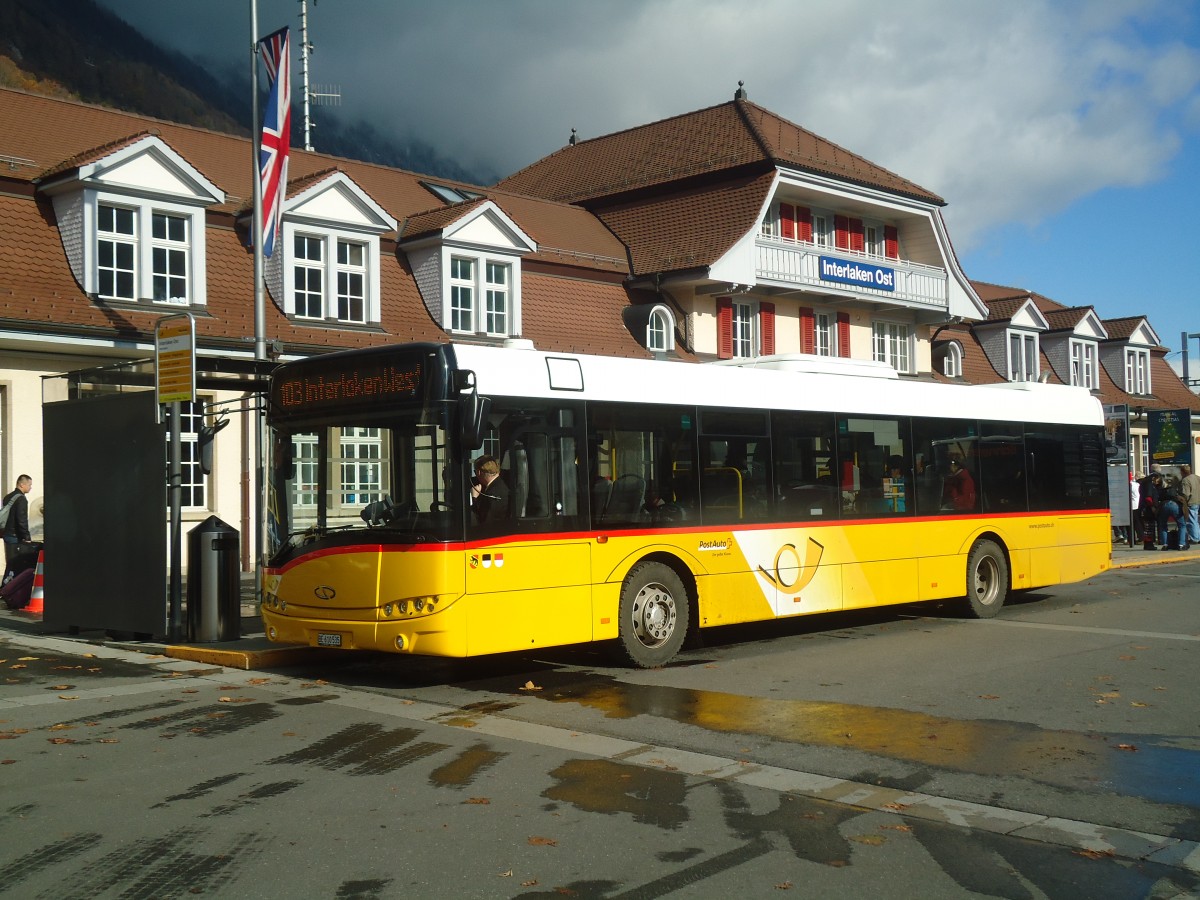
{"x": 987, "y": 581}
{"x": 654, "y": 615}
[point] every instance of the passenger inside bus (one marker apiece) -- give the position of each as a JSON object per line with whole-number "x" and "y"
{"x": 959, "y": 489}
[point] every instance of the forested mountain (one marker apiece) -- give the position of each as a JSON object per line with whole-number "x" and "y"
{"x": 78, "y": 50}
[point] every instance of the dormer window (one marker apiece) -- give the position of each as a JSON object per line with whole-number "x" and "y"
{"x": 328, "y": 270}
{"x": 1137, "y": 371}
{"x": 467, "y": 264}
{"x": 1085, "y": 371}
{"x": 132, "y": 224}
{"x": 1022, "y": 356}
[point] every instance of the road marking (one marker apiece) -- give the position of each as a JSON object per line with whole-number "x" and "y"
{"x": 1085, "y": 629}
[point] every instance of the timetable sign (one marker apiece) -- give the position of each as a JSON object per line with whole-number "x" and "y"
{"x": 175, "y": 359}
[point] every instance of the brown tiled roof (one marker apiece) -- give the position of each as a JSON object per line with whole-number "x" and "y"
{"x": 1121, "y": 329}
{"x": 719, "y": 139}
{"x": 38, "y": 292}
{"x": 1065, "y": 319}
{"x": 434, "y": 220}
{"x": 715, "y": 217}
{"x": 1002, "y": 310}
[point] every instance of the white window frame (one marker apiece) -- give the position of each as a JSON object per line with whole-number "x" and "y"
{"x": 660, "y": 330}
{"x": 313, "y": 270}
{"x": 332, "y": 272}
{"x": 1137, "y": 370}
{"x": 1085, "y": 370}
{"x": 462, "y": 294}
{"x": 742, "y": 331}
{"x": 952, "y": 362}
{"x": 145, "y": 245}
{"x": 165, "y": 252}
{"x": 874, "y": 243}
{"x": 194, "y": 482}
{"x": 825, "y": 333}
{"x": 1023, "y": 355}
{"x": 481, "y": 293}
{"x": 347, "y": 275}
{"x": 892, "y": 343}
{"x": 821, "y": 223}
{"x": 116, "y": 238}
{"x": 361, "y": 471}
{"x": 496, "y": 294}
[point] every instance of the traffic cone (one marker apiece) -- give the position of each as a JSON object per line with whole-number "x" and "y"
{"x": 38, "y": 596}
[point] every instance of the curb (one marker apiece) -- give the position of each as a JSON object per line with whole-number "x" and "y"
{"x": 247, "y": 658}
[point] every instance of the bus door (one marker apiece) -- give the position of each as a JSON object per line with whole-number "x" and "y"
{"x": 529, "y": 576}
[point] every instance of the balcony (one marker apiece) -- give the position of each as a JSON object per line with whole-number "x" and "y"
{"x": 791, "y": 264}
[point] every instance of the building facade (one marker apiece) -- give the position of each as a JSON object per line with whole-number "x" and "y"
{"x": 724, "y": 233}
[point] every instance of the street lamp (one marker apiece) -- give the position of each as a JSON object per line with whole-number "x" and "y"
{"x": 1184, "y": 337}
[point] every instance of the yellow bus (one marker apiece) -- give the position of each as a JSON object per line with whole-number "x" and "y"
{"x": 639, "y": 500}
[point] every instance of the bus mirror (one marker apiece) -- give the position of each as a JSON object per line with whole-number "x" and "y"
{"x": 474, "y": 417}
{"x": 204, "y": 441}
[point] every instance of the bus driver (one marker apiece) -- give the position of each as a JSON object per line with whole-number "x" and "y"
{"x": 490, "y": 499}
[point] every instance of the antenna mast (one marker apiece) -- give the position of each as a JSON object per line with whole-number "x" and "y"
{"x": 324, "y": 95}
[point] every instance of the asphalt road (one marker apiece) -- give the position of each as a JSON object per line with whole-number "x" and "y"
{"x": 1051, "y": 752}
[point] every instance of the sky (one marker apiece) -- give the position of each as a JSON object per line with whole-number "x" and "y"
{"x": 1063, "y": 134}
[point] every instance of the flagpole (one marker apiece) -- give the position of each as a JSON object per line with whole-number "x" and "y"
{"x": 260, "y": 311}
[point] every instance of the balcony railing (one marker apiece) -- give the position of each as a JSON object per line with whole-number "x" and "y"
{"x": 788, "y": 263}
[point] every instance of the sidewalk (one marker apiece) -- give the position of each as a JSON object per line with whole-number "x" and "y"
{"x": 252, "y": 650}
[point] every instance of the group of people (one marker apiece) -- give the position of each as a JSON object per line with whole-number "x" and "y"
{"x": 1162, "y": 498}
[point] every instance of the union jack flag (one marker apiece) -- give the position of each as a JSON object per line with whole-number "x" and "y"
{"x": 276, "y": 134}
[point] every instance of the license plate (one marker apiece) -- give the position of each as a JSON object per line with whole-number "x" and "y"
{"x": 324, "y": 639}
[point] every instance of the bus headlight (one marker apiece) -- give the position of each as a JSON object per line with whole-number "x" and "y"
{"x": 387, "y": 609}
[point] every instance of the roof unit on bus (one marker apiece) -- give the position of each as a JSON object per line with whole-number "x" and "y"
{"x": 818, "y": 365}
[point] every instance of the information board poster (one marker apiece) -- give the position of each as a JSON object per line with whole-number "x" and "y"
{"x": 1170, "y": 436}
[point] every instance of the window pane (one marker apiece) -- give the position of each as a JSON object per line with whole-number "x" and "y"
{"x": 876, "y": 466}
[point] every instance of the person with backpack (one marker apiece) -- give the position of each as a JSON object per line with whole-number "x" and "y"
{"x": 1171, "y": 507}
{"x": 15, "y": 511}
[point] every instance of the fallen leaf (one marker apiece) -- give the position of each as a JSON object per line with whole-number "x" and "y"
{"x": 62, "y": 740}
{"x": 1095, "y": 854}
{"x": 530, "y": 686}
{"x": 873, "y": 839}
{"x": 61, "y": 726}
{"x": 1130, "y": 747}
{"x": 989, "y": 696}
{"x": 478, "y": 801}
{"x": 107, "y": 741}
{"x": 507, "y": 874}
{"x": 1126, "y": 658}
{"x": 7, "y": 762}
{"x": 67, "y": 697}
{"x": 529, "y": 883}
{"x": 1138, "y": 703}
{"x": 60, "y": 687}
{"x": 783, "y": 886}
{"x": 236, "y": 700}
{"x": 28, "y": 658}
{"x": 18, "y": 666}
{"x": 543, "y": 842}
{"x": 896, "y": 827}
{"x": 896, "y": 806}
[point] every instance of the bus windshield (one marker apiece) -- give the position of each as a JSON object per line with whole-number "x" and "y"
{"x": 391, "y": 475}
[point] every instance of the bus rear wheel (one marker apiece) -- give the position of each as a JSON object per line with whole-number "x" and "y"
{"x": 654, "y": 615}
{"x": 987, "y": 580}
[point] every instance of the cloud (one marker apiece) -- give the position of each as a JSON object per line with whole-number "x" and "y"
{"x": 1010, "y": 111}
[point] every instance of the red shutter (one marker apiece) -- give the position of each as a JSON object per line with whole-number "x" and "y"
{"x": 724, "y": 328}
{"x": 841, "y": 232}
{"x": 843, "y": 334}
{"x": 804, "y": 224}
{"x": 858, "y": 237}
{"x": 891, "y": 242}
{"x": 766, "y": 327}
{"x": 808, "y": 330}
{"x": 787, "y": 221}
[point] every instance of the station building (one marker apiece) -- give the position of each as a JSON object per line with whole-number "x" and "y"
{"x": 724, "y": 233}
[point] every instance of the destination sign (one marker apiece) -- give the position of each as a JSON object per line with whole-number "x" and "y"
{"x": 343, "y": 384}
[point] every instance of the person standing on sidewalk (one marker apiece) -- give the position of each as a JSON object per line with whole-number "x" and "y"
{"x": 16, "y": 529}
{"x": 1170, "y": 506}
{"x": 1189, "y": 483}
{"x": 1148, "y": 508}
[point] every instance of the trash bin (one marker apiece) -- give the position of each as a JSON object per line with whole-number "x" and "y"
{"x": 214, "y": 601}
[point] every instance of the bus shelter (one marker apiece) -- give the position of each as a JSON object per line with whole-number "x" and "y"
{"x": 105, "y": 457}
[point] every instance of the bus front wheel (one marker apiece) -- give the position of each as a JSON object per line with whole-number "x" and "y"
{"x": 987, "y": 580}
{"x": 653, "y": 615}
